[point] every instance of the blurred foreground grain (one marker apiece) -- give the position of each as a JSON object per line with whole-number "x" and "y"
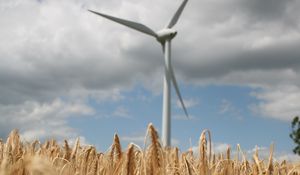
{"x": 50, "y": 158}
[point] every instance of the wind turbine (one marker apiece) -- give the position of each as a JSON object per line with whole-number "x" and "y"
{"x": 164, "y": 37}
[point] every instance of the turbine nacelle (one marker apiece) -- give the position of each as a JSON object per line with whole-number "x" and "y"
{"x": 165, "y": 34}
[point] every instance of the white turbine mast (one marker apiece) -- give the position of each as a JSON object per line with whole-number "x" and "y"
{"x": 164, "y": 37}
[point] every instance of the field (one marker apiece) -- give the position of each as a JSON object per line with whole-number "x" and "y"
{"x": 50, "y": 158}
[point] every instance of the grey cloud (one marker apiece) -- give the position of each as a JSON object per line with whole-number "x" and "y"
{"x": 268, "y": 10}
{"x": 54, "y": 49}
{"x": 279, "y": 57}
{"x": 255, "y": 11}
{"x": 216, "y": 48}
{"x": 53, "y": 56}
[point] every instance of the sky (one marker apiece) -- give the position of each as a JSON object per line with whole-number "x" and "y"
{"x": 67, "y": 73}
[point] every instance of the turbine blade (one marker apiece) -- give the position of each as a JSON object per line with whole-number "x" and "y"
{"x": 177, "y": 15}
{"x": 131, "y": 24}
{"x": 177, "y": 90}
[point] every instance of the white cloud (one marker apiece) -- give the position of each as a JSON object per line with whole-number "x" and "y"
{"x": 82, "y": 141}
{"x": 217, "y": 147}
{"x": 287, "y": 156}
{"x": 38, "y": 121}
{"x": 30, "y": 135}
{"x": 189, "y": 103}
{"x": 134, "y": 139}
{"x": 264, "y": 153}
{"x": 175, "y": 142}
{"x": 139, "y": 139}
{"x": 56, "y": 49}
{"x": 122, "y": 112}
{"x": 220, "y": 147}
{"x": 227, "y": 107}
{"x": 53, "y": 50}
{"x": 281, "y": 103}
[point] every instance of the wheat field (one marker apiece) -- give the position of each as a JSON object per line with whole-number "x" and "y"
{"x": 51, "y": 158}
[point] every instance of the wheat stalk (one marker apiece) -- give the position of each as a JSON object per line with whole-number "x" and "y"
{"x": 49, "y": 158}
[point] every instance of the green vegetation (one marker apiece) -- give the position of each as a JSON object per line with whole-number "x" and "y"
{"x": 295, "y": 135}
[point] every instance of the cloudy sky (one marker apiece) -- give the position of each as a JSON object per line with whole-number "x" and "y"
{"x": 67, "y": 73}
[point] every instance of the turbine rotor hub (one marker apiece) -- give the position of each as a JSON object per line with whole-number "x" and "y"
{"x": 166, "y": 34}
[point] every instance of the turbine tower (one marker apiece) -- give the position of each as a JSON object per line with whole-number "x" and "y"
{"x": 164, "y": 37}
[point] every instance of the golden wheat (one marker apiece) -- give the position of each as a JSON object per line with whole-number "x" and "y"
{"x": 17, "y": 158}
